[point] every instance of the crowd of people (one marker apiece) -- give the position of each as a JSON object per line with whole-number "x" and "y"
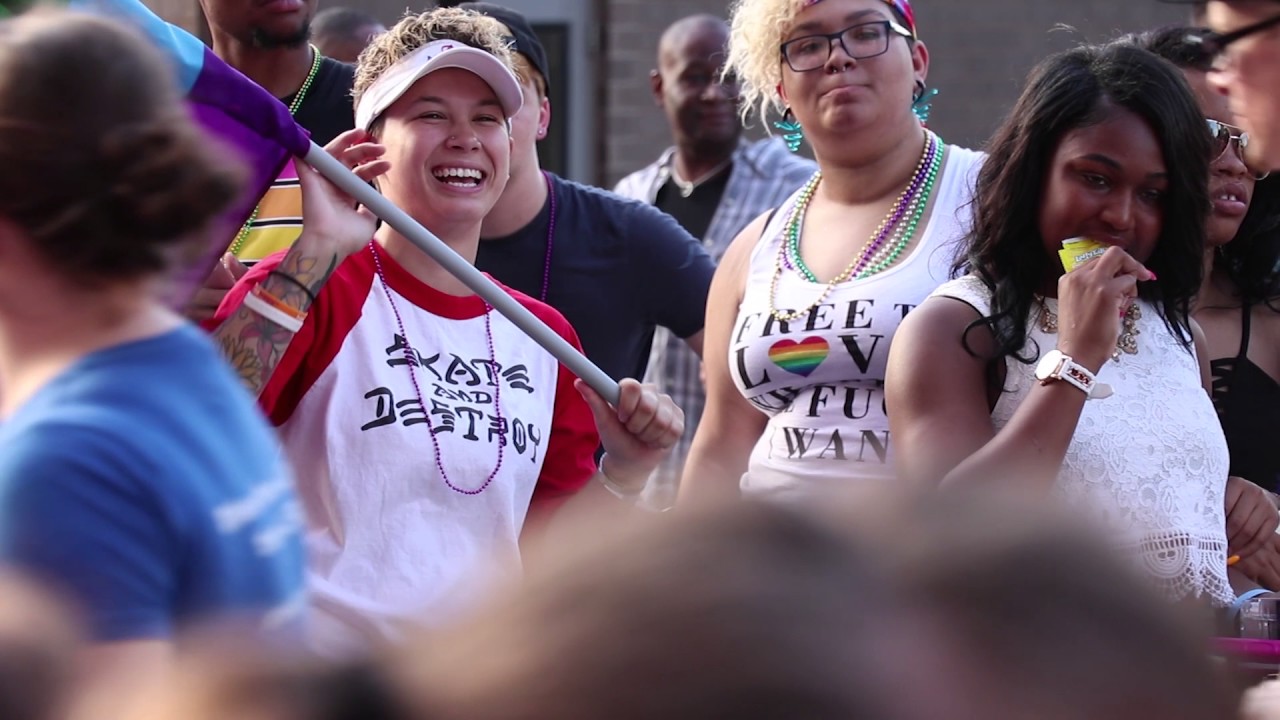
{"x": 923, "y": 459}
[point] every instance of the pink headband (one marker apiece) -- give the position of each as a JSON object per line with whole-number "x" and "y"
{"x": 904, "y": 9}
{"x": 902, "y": 6}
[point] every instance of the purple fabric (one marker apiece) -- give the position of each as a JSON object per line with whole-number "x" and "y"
{"x": 259, "y": 128}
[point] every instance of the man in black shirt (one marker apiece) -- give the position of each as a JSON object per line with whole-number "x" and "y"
{"x": 701, "y": 108}
{"x": 268, "y": 43}
{"x": 711, "y": 180}
{"x": 615, "y": 268}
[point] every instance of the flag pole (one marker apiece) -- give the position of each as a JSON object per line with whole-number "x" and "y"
{"x": 489, "y": 291}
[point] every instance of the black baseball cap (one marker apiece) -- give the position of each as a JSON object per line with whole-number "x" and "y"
{"x": 526, "y": 41}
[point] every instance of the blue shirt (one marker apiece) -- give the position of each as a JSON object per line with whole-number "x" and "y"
{"x": 144, "y": 484}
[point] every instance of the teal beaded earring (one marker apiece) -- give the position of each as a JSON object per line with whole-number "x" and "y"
{"x": 922, "y": 102}
{"x": 792, "y": 133}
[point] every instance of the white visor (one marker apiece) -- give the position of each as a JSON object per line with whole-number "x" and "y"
{"x": 437, "y": 55}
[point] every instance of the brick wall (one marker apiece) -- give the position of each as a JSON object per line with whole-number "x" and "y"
{"x": 981, "y": 51}
{"x": 184, "y": 13}
{"x": 637, "y": 129}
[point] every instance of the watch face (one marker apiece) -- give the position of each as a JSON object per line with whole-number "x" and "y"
{"x": 1049, "y": 364}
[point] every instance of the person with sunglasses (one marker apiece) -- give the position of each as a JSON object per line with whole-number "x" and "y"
{"x": 1244, "y": 46}
{"x": 806, "y": 300}
{"x": 1237, "y": 309}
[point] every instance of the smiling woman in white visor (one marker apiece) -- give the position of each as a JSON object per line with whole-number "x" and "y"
{"x": 428, "y": 433}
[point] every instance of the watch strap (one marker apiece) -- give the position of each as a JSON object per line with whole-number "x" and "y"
{"x": 1078, "y": 376}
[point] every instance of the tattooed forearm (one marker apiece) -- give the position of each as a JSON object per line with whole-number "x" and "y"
{"x": 306, "y": 270}
{"x": 243, "y": 358}
{"x": 253, "y": 344}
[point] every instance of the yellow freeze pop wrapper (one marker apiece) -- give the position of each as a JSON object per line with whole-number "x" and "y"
{"x": 1079, "y": 250}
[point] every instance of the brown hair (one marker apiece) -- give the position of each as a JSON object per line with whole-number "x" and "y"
{"x": 753, "y": 612}
{"x": 893, "y": 606}
{"x": 39, "y": 639}
{"x": 898, "y": 607}
{"x": 528, "y": 73}
{"x": 236, "y": 674}
{"x": 103, "y": 168}
{"x": 1051, "y": 620}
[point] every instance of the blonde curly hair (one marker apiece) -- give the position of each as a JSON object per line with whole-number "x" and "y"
{"x": 415, "y": 30}
{"x": 756, "y": 29}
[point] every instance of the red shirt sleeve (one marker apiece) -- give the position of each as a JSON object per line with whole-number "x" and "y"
{"x": 571, "y": 451}
{"x": 286, "y": 374}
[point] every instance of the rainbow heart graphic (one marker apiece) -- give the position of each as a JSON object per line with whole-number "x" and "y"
{"x": 800, "y": 358}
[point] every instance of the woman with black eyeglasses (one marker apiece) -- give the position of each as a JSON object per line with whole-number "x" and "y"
{"x": 1245, "y": 47}
{"x": 1238, "y": 308}
{"x": 806, "y": 301}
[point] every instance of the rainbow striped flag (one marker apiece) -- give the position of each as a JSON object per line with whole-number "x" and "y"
{"x": 228, "y": 106}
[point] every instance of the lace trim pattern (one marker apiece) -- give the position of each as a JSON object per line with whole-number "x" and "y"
{"x": 1184, "y": 566}
{"x": 1150, "y": 461}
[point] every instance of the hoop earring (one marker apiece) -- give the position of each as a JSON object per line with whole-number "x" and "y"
{"x": 922, "y": 101}
{"x": 792, "y": 133}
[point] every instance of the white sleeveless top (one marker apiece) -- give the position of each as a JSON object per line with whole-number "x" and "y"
{"x": 820, "y": 378}
{"x": 1151, "y": 460}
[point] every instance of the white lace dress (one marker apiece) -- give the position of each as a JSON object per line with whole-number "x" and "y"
{"x": 1150, "y": 460}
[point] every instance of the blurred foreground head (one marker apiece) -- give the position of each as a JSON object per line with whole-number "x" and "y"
{"x": 897, "y": 607}
{"x": 938, "y": 606}
{"x": 107, "y": 178}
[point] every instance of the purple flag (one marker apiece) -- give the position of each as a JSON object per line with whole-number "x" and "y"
{"x": 229, "y": 106}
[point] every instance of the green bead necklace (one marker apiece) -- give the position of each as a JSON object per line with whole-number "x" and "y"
{"x": 876, "y": 256}
{"x": 909, "y": 205}
{"x": 243, "y": 235}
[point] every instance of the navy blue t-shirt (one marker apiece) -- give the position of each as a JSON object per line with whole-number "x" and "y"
{"x": 144, "y": 484}
{"x": 618, "y": 269}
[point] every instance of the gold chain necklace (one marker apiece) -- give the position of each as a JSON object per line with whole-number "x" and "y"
{"x": 1127, "y": 343}
{"x": 243, "y": 235}
{"x": 795, "y": 221}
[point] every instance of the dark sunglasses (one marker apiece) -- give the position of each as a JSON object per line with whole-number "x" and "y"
{"x": 1223, "y": 134}
{"x": 1212, "y": 44}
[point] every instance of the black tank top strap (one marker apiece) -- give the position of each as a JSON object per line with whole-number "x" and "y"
{"x": 1248, "y": 403}
{"x": 1246, "y": 320}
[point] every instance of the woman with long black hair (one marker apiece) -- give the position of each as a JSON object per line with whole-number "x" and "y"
{"x": 1088, "y": 384}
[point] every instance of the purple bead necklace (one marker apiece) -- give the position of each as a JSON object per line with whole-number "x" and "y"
{"x": 551, "y": 238}
{"x": 411, "y": 357}
{"x": 917, "y": 181}
{"x": 791, "y": 246}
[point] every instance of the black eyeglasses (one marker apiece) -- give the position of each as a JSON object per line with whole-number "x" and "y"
{"x": 1212, "y": 44}
{"x": 861, "y": 41}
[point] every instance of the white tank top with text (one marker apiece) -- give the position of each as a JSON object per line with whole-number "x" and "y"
{"x": 820, "y": 378}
